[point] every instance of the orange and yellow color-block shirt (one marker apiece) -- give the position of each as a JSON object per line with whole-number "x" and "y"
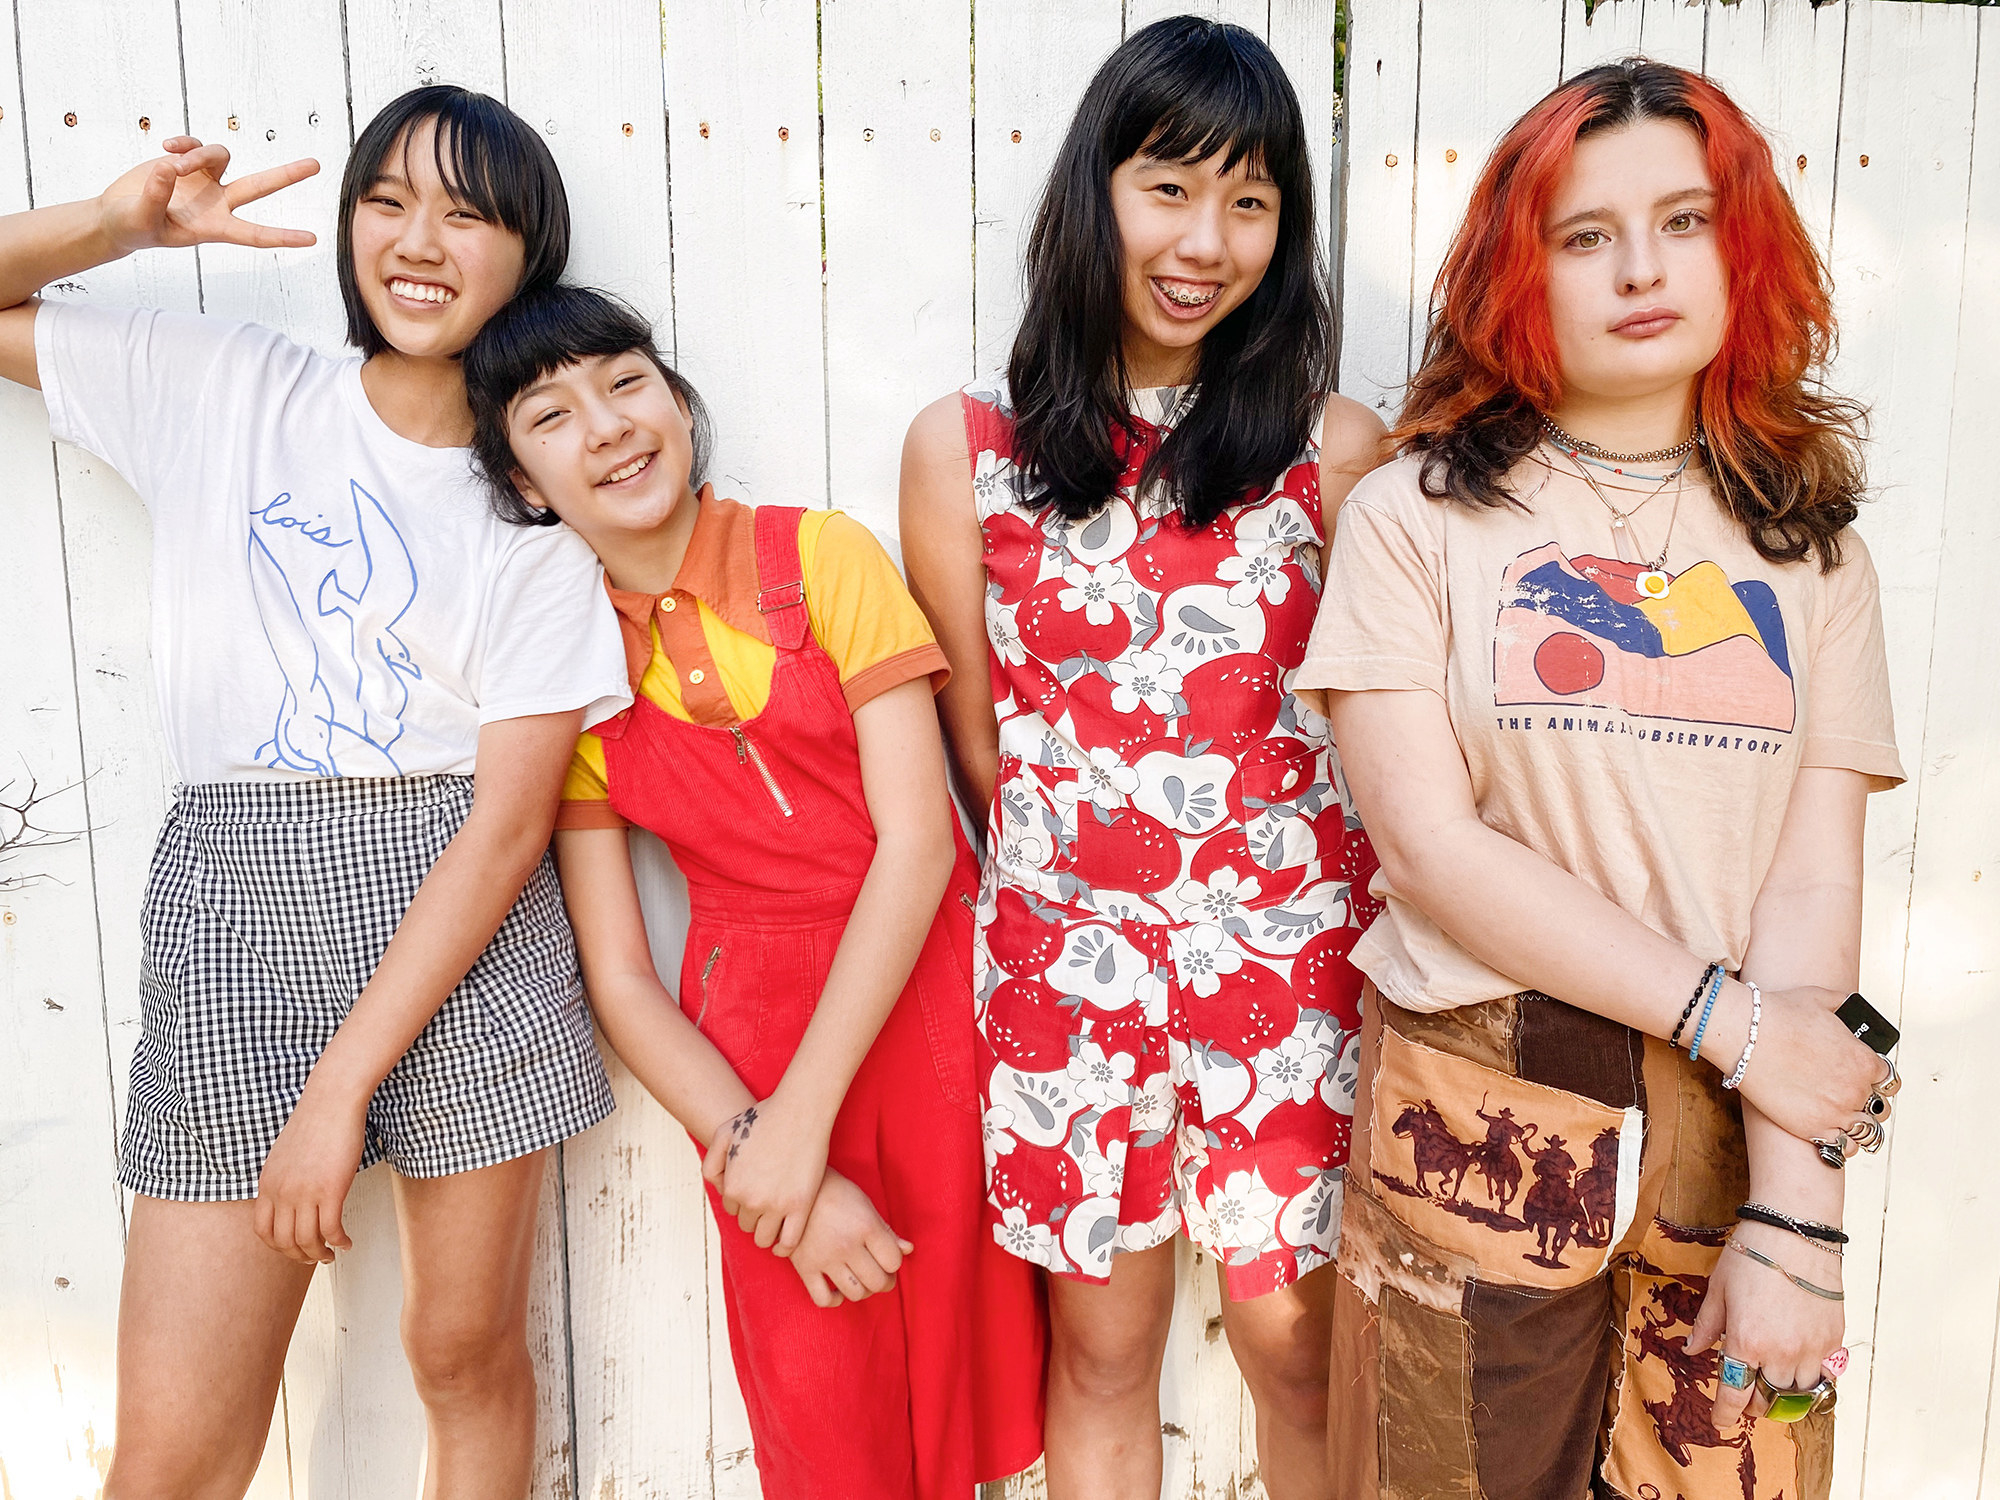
{"x": 702, "y": 653}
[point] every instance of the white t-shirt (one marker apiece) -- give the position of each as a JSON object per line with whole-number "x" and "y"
{"x": 329, "y": 598}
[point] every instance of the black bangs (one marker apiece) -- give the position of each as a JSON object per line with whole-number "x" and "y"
{"x": 1182, "y": 90}
{"x": 489, "y": 159}
{"x": 1227, "y": 95}
{"x": 542, "y": 330}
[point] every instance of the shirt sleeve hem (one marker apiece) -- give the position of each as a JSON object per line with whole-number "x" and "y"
{"x": 1835, "y": 753}
{"x": 54, "y": 394}
{"x": 597, "y": 705}
{"x": 580, "y": 812}
{"x": 905, "y": 666}
{"x": 1361, "y": 674}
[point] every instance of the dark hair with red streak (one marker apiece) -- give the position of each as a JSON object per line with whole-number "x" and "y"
{"x": 1782, "y": 452}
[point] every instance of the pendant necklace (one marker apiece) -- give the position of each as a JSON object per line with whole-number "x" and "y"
{"x": 1652, "y": 582}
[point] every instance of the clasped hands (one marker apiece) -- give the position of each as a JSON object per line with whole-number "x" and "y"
{"x": 768, "y": 1164}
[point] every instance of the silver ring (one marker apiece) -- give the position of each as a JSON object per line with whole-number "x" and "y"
{"x": 1867, "y": 1134}
{"x": 1833, "y": 1152}
{"x": 1888, "y": 1086}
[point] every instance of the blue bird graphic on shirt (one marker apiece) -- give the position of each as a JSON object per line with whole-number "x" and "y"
{"x": 331, "y": 591}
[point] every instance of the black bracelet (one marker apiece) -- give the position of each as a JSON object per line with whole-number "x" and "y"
{"x": 1693, "y": 1000}
{"x": 1757, "y": 1213}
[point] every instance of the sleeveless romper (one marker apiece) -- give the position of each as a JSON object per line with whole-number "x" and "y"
{"x": 1174, "y": 877}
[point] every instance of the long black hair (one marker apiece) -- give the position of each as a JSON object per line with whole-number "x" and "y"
{"x": 1182, "y": 89}
{"x": 542, "y": 330}
{"x": 489, "y": 158}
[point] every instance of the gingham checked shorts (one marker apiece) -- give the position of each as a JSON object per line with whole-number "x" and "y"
{"x": 266, "y": 910}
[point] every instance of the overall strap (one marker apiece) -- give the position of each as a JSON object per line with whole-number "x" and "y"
{"x": 781, "y": 584}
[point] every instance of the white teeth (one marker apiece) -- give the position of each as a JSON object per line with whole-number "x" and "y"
{"x": 628, "y": 471}
{"x": 1186, "y": 296}
{"x": 422, "y": 291}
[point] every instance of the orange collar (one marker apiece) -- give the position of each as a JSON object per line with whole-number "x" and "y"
{"x": 719, "y": 569}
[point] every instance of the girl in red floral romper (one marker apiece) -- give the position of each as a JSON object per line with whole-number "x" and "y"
{"x": 1120, "y": 550}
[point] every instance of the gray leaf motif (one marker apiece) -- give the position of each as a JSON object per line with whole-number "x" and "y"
{"x": 1098, "y": 530}
{"x": 1101, "y": 1233}
{"x": 1205, "y": 635}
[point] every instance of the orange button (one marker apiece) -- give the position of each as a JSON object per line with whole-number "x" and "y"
{"x": 697, "y": 677}
{"x": 667, "y": 605}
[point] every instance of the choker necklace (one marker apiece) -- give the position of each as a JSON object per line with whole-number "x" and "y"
{"x": 1652, "y": 581}
{"x": 1682, "y": 449}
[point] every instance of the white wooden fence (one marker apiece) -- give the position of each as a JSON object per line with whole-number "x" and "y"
{"x": 822, "y": 205}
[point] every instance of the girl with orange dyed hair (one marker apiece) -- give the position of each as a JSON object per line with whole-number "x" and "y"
{"x": 1605, "y": 664}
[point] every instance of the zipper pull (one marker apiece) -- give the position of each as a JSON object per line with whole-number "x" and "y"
{"x": 742, "y": 745}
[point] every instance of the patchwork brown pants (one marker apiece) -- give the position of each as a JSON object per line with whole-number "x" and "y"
{"x": 1535, "y": 1198}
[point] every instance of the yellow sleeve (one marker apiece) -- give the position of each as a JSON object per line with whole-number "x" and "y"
{"x": 862, "y": 614}
{"x": 586, "y": 793}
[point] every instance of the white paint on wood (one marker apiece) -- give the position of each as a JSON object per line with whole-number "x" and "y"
{"x": 813, "y": 375}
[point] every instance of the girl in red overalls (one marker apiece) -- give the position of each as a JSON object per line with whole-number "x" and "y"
{"x": 783, "y": 743}
{"x": 1120, "y": 549}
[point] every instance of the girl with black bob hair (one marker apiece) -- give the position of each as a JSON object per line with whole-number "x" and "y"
{"x": 353, "y": 946}
{"x": 1119, "y": 550}
{"x": 782, "y": 743}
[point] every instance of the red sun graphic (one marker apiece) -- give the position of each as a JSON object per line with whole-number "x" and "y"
{"x": 1567, "y": 663}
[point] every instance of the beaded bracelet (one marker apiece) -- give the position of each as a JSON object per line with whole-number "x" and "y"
{"x": 1693, "y": 1000}
{"x": 1707, "y": 1009}
{"x": 1750, "y": 1045}
{"x": 1812, "y": 1229}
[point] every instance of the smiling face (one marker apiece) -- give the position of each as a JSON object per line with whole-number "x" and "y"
{"x": 1638, "y": 294}
{"x": 605, "y": 444}
{"x": 430, "y": 268}
{"x": 1197, "y": 241}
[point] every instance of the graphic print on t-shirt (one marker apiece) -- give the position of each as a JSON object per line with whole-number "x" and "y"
{"x": 1576, "y": 631}
{"x": 330, "y": 590}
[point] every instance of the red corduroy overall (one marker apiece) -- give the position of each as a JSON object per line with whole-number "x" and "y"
{"x": 924, "y": 1390}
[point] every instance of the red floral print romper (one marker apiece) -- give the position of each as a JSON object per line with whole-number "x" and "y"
{"x": 1169, "y": 1022}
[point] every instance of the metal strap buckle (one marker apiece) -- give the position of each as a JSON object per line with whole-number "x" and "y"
{"x": 791, "y": 594}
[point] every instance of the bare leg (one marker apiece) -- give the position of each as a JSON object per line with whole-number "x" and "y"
{"x": 468, "y": 1252}
{"x": 204, "y": 1318}
{"x": 1280, "y": 1341}
{"x": 1106, "y": 1346}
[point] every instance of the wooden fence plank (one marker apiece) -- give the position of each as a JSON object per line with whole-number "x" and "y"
{"x": 1378, "y": 297}
{"x": 742, "y": 98}
{"x": 1302, "y": 36}
{"x": 1033, "y": 58}
{"x": 1915, "y": 343}
{"x": 898, "y": 183}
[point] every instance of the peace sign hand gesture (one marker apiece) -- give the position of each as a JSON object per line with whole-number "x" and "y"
{"x": 180, "y": 199}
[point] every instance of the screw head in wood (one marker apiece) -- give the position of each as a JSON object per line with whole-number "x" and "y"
{"x": 1450, "y": 154}
{"x": 270, "y": 135}
{"x": 704, "y": 130}
{"x": 626, "y": 127}
{"x": 937, "y": 135}
{"x": 1017, "y": 137}
{"x": 232, "y": 122}
{"x": 145, "y": 121}
{"x": 313, "y": 118}
{"x": 784, "y": 132}
{"x": 7, "y": 918}
{"x": 1864, "y": 158}
{"x": 70, "y": 118}
{"x": 867, "y": 135}
{"x": 1389, "y": 160}
{"x": 1802, "y": 161}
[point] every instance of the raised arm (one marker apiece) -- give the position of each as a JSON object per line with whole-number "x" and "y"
{"x": 178, "y": 199}
{"x": 1543, "y": 928}
{"x": 943, "y": 554}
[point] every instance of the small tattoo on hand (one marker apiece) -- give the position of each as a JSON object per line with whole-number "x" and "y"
{"x": 739, "y": 1131}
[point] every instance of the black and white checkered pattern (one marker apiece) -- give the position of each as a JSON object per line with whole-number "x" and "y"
{"x": 267, "y": 908}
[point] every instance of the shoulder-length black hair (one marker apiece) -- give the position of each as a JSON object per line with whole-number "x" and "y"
{"x": 1182, "y": 89}
{"x": 541, "y": 330}
{"x": 490, "y": 159}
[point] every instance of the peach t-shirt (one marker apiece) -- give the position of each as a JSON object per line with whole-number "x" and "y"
{"x": 1648, "y": 746}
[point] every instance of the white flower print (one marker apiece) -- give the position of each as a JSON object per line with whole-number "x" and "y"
{"x": 1243, "y": 1211}
{"x": 1103, "y": 779}
{"x": 1224, "y": 896}
{"x": 1202, "y": 955}
{"x": 1022, "y": 850}
{"x": 1153, "y": 1105}
{"x": 1253, "y": 571}
{"x": 994, "y": 484}
{"x": 1101, "y": 1078}
{"x": 1004, "y": 633}
{"x": 1144, "y": 678}
{"x": 1031, "y": 1242}
{"x": 1103, "y": 1177}
{"x": 1098, "y": 591}
{"x": 997, "y": 1126}
{"x": 1281, "y": 522}
{"x": 1291, "y": 1070}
